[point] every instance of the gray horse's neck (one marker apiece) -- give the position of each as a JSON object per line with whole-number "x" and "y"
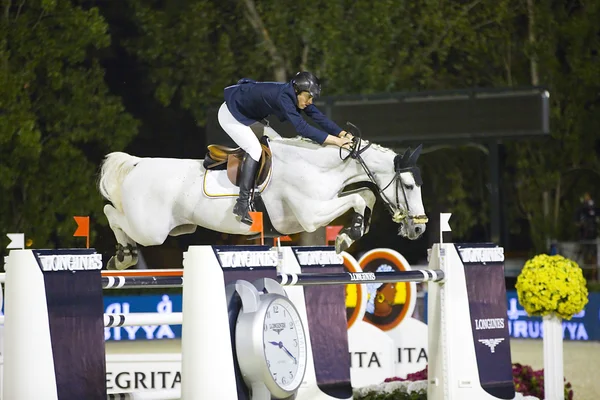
{"x": 328, "y": 158}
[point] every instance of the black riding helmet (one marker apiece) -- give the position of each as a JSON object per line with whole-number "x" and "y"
{"x": 307, "y": 82}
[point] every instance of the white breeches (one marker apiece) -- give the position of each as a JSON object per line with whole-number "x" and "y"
{"x": 241, "y": 134}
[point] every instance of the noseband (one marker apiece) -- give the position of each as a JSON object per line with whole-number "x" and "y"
{"x": 398, "y": 214}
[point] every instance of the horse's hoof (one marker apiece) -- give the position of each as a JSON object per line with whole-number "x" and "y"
{"x": 111, "y": 264}
{"x": 115, "y": 264}
{"x": 342, "y": 242}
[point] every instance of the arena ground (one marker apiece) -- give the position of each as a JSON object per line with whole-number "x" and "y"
{"x": 581, "y": 363}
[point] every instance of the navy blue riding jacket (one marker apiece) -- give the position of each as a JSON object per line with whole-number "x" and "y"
{"x": 250, "y": 101}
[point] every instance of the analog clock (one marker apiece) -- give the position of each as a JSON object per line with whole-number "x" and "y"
{"x": 270, "y": 341}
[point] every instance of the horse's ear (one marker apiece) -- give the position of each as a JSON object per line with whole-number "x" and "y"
{"x": 415, "y": 155}
{"x": 400, "y": 161}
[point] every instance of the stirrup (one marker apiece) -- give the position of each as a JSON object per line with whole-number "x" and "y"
{"x": 245, "y": 217}
{"x": 242, "y": 211}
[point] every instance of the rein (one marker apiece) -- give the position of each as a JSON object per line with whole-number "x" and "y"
{"x": 398, "y": 215}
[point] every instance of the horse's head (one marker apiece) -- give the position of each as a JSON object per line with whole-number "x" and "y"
{"x": 399, "y": 182}
{"x": 412, "y": 218}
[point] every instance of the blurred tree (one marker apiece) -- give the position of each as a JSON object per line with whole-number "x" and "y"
{"x": 57, "y": 118}
{"x": 550, "y": 176}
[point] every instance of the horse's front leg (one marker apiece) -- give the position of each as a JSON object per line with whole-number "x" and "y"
{"x": 317, "y": 214}
{"x": 361, "y": 221}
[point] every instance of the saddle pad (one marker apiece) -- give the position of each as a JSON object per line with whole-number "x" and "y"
{"x": 217, "y": 184}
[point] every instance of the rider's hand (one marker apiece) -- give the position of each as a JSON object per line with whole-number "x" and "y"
{"x": 346, "y": 135}
{"x": 345, "y": 143}
{"x": 339, "y": 141}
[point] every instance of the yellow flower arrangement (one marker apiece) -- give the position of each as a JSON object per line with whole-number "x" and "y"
{"x": 552, "y": 284}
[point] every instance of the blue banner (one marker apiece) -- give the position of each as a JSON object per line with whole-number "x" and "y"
{"x": 583, "y": 326}
{"x": 166, "y": 303}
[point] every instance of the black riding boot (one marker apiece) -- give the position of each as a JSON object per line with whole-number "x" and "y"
{"x": 246, "y": 183}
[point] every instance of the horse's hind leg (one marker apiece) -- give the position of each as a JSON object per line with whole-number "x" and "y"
{"x": 127, "y": 252}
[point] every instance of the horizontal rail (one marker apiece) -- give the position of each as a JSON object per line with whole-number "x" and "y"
{"x": 174, "y": 279}
{"x": 143, "y": 272}
{"x": 136, "y": 319}
{"x": 345, "y": 278}
{"x": 140, "y": 282}
{"x": 129, "y": 273}
{"x": 173, "y": 394}
{"x": 140, "y": 319}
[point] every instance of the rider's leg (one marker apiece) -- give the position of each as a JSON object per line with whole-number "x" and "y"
{"x": 244, "y": 137}
{"x": 246, "y": 183}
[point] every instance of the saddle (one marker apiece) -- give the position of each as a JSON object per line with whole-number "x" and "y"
{"x": 221, "y": 157}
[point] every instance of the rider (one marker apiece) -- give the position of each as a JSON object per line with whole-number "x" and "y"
{"x": 249, "y": 102}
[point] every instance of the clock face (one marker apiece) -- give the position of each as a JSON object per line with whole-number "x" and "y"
{"x": 284, "y": 344}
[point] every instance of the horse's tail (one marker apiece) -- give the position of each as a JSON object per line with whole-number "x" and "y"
{"x": 113, "y": 171}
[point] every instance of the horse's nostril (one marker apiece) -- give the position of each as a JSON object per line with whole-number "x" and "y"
{"x": 417, "y": 230}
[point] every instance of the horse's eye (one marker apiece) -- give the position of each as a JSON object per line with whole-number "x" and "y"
{"x": 410, "y": 187}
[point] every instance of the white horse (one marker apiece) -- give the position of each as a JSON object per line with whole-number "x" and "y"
{"x": 303, "y": 190}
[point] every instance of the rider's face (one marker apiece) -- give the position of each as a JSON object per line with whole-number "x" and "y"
{"x": 304, "y": 100}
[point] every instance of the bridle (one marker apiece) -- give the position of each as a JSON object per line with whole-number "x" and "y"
{"x": 398, "y": 214}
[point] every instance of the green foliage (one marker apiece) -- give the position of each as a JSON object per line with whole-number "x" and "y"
{"x": 593, "y": 286}
{"x": 566, "y": 165}
{"x": 456, "y": 180}
{"x": 187, "y": 52}
{"x": 56, "y": 113}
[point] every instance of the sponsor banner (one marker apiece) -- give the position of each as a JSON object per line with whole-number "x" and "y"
{"x": 317, "y": 256}
{"x": 584, "y": 326}
{"x": 371, "y": 354}
{"x": 388, "y": 304}
{"x": 246, "y": 256}
{"x": 142, "y": 372}
{"x": 76, "y": 272}
{"x": 326, "y": 320}
{"x": 484, "y": 270}
{"x": 480, "y": 253}
{"x": 68, "y": 260}
{"x": 166, "y": 303}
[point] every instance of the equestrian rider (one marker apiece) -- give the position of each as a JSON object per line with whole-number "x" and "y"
{"x": 249, "y": 102}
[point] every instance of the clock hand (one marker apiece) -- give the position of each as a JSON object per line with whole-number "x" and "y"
{"x": 281, "y": 346}
{"x": 289, "y": 354}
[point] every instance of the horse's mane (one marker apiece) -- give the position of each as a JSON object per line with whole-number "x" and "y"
{"x": 300, "y": 141}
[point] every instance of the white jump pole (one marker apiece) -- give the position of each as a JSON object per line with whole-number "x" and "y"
{"x": 140, "y": 319}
